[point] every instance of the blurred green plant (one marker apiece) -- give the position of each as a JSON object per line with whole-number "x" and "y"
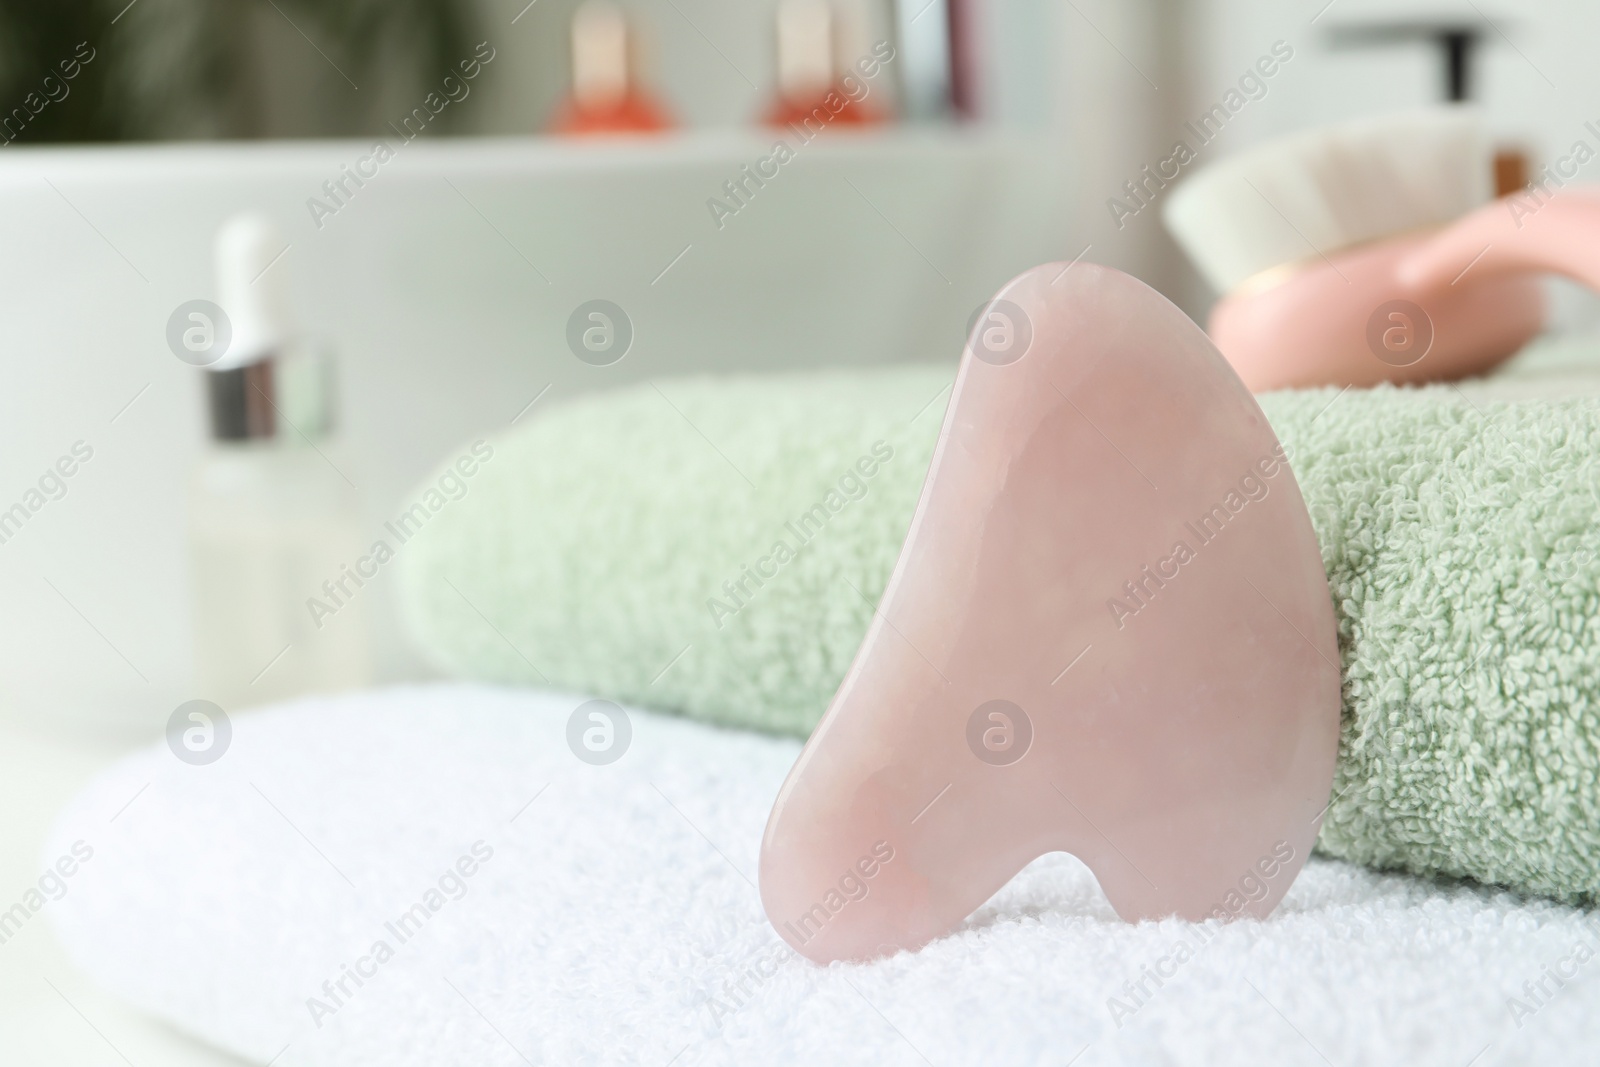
{"x": 200, "y": 68}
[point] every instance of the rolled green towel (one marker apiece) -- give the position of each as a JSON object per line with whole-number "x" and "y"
{"x": 717, "y": 547}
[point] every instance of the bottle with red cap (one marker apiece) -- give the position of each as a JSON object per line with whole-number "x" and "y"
{"x": 607, "y": 97}
{"x": 811, "y": 93}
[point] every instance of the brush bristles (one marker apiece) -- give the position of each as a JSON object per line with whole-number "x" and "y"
{"x": 1314, "y": 193}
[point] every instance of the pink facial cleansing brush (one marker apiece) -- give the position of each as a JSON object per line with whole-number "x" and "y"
{"x": 1510, "y": 239}
{"x": 1354, "y": 320}
{"x": 1371, "y": 251}
{"x": 1434, "y": 306}
{"x": 1108, "y": 633}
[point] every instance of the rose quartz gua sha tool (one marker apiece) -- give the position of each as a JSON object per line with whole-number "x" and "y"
{"x": 1109, "y": 632}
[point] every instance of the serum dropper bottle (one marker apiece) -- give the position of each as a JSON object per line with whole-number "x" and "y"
{"x": 272, "y": 518}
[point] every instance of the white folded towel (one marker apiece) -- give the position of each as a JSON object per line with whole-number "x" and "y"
{"x": 539, "y": 909}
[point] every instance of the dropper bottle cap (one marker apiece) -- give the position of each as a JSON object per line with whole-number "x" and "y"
{"x": 253, "y": 288}
{"x": 266, "y": 384}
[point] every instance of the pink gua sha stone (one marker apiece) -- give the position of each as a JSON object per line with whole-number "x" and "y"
{"x": 1109, "y": 632}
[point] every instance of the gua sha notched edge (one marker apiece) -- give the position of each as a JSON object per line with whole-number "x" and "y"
{"x": 1109, "y": 632}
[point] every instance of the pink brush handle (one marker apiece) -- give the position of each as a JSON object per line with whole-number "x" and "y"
{"x": 1516, "y": 235}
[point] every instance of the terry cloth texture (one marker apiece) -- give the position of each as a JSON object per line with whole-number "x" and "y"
{"x": 638, "y": 545}
{"x": 609, "y": 918}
